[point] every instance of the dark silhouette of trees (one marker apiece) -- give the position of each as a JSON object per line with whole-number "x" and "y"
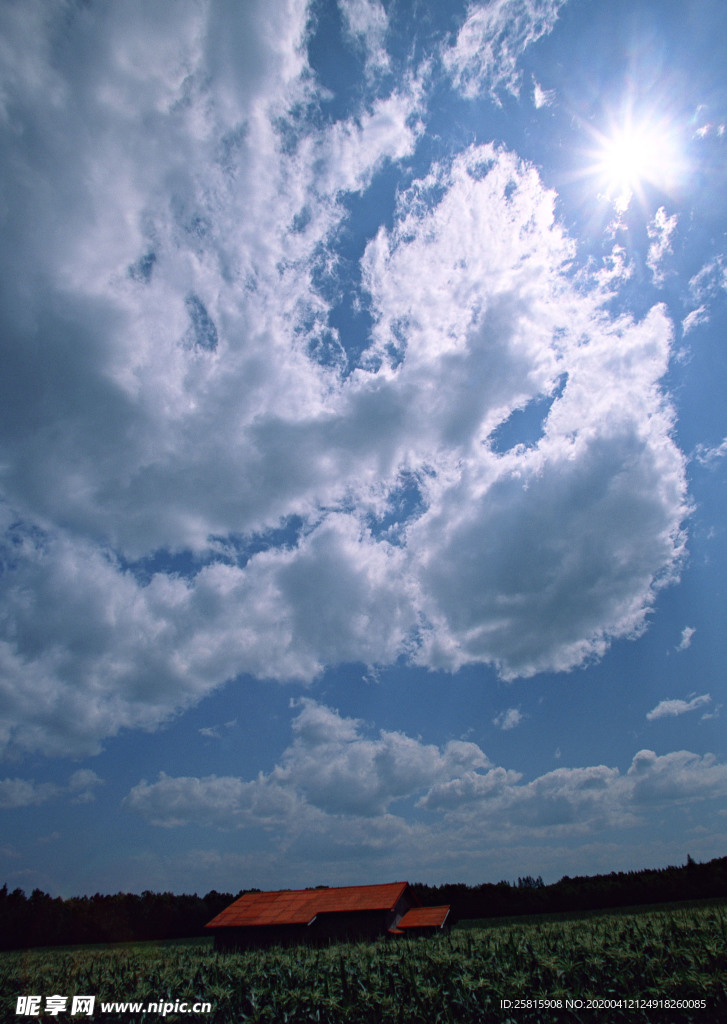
{"x": 40, "y": 920}
{"x": 692, "y": 881}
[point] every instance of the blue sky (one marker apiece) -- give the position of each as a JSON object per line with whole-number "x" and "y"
{"x": 363, "y": 441}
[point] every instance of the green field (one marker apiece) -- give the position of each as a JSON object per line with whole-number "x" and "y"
{"x": 660, "y": 959}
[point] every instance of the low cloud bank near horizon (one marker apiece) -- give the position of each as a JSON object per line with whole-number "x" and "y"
{"x": 336, "y": 786}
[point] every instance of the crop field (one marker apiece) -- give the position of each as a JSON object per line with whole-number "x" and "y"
{"x": 666, "y": 966}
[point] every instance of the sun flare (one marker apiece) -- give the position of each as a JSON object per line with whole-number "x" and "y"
{"x": 629, "y": 158}
{"x": 635, "y": 154}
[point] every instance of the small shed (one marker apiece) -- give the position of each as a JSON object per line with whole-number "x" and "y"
{"x": 422, "y": 921}
{"x": 290, "y": 916}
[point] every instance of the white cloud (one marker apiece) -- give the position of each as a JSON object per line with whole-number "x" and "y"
{"x": 197, "y": 469}
{"x": 26, "y": 792}
{"x": 214, "y": 732}
{"x": 142, "y": 650}
{"x": 707, "y": 456}
{"x": 471, "y": 787}
{"x": 484, "y": 57}
{"x": 707, "y": 128}
{"x": 672, "y": 708}
{"x": 707, "y": 283}
{"x": 367, "y": 23}
{"x": 660, "y": 231}
{"x": 508, "y": 719}
{"x": 686, "y": 640}
{"x": 542, "y": 97}
{"x": 481, "y": 264}
{"x": 330, "y": 768}
{"x": 678, "y": 776}
{"x": 335, "y": 789}
{"x": 577, "y": 801}
{"x": 220, "y": 801}
{"x": 694, "y": 318}
{"x": 341, "y": 771}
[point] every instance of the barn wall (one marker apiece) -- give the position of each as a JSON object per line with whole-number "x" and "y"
{"x": 259, "y": 937}
{"x": 406, "y": 902}
{"x": 342, "y": 925}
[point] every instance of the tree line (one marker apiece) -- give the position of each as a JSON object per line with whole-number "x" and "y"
{"x": 691, "y": 881}
{"x": 43, "y": 920}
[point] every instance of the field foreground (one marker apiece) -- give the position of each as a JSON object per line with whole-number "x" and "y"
{"x": 664, "y": 966}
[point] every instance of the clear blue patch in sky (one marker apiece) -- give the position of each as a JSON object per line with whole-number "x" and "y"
{"x": 525, "y": 426}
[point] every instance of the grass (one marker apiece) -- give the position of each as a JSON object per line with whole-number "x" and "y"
{"x": 677, "y": 954}
{"x": 588, "y": 915}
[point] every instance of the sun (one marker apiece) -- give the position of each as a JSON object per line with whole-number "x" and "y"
{"x": 630, "y": 158}
{"x": 634, "y": 154}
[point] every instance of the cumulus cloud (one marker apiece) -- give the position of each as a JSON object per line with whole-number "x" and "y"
{"x": 680, "y": 775}
{"x": 336, "y": 784}
{"x": 331, "y": 768}
{"x": 672, "y": 708}
{"x": 686, "y": 640}
{"x": 203, "y": 476}
{"x": 577, "y": 801}
{"x": 508, "y": 719}
{"x": 472, "y": 787}
{"x": 221, "y": 801}
{"x": 476, "y": 585}
{"x": 26, "y": 792}
{"x": 82, "y": 785}
{"x": 341, "y": 771}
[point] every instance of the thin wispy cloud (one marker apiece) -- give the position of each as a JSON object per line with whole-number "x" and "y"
{"x": 708, "y": 456}
{"x": 485, "y": 54}
{"x": 215, "y": 732}
{"x": 542, "y": 97}
{"x": 694, "y": 318}
{"x": 674, "y": 708}
{"x": 660, "y": 233}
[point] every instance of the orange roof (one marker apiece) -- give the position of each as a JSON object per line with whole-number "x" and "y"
{"x": 424, "y": 917}
{"x": 299, "y": 906}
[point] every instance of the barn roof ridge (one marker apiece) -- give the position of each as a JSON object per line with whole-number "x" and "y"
{"x": 320, "y": 888}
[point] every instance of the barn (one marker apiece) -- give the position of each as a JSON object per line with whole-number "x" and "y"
{"x": 290, "y": 916}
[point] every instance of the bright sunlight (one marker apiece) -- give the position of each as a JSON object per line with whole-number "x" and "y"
{"x": 633, "y": 155}
{"x": 630, "y": 158}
